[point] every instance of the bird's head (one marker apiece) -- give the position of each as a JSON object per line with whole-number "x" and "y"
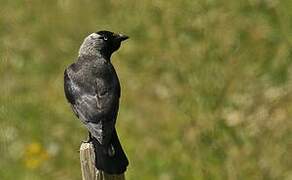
{"x": 102, "y": 43}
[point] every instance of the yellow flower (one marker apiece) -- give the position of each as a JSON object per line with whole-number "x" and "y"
{"x": 35, "y": 155}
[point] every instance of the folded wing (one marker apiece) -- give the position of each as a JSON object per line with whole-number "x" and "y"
{"x": 96, "y": 106}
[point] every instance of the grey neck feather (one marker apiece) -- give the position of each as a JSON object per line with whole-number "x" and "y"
{"x": 89, "y": 46}
{"x": 87, "y": 50}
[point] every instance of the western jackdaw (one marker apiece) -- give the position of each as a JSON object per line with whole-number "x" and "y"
{"x": 93, "y": 89}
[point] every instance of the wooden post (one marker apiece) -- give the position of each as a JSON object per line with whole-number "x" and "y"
{"x": 89, "y": 172}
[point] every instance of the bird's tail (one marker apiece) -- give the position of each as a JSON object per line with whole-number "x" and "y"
{"x": 110, "y": 158}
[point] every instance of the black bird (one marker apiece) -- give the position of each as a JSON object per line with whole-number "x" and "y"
{"x": 93, "y": 89}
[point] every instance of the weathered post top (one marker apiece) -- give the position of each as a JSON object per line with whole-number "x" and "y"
{"x": 89, "y": 172}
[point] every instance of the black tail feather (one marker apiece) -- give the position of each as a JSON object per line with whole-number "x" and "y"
{"x": 110, "y": 158}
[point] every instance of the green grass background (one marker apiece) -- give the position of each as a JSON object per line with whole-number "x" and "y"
{"x": 206, "y": 87}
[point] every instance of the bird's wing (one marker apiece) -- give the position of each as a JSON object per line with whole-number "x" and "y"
{"x": 96, "y": 108}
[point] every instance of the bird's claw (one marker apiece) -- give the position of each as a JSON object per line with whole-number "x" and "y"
{"x": 86, "y": 141}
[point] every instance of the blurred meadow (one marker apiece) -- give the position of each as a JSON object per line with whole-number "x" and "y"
{"x": 206, "y": 87}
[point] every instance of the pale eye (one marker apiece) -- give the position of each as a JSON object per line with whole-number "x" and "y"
{"x": 105, "y": 38}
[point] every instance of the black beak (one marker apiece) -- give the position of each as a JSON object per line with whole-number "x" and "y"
{"x": 122, "y": 37}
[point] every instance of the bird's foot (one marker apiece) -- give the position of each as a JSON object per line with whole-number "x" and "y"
{"x": 89, "y": 140}
{"x": 86, "y": 141}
